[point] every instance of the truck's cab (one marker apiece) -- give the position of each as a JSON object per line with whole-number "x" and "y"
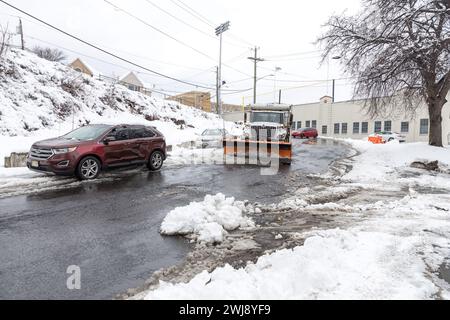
{"x": 268, "y": 122}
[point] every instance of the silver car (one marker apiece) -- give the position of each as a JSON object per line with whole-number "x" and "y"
{"x": 213, "y": 138}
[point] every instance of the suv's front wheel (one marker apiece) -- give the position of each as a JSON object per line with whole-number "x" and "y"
{"x": 156, "y": 161}
{"x": 88, "y": 168}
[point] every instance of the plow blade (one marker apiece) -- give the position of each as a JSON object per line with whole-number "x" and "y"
{"x": 259, "y": 150}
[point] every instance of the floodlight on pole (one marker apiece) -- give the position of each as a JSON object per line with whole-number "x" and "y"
{"x": 219, "y": 32}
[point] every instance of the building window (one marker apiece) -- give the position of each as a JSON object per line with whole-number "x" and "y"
{"x": 424, "y": 126}
{"x": 344, "y": 128}
{"x": 314, "y": 124}
{"x": 365, "y": 127}
{"x": 324, "y": 130}
{"x": 388, "y": 126}
{"x": 378, "y": 126}
{"x": 355, "y": 127}
{"x": 308, "y": 124}
{"x": 405, "y": 127}
{"x": 299, "y": 124}
{"x": 337, "y": 128}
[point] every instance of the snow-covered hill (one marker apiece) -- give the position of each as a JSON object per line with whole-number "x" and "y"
{"x": 41, "y": 99}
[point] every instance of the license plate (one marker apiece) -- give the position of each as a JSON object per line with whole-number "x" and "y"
{"x": 35, "y": 164}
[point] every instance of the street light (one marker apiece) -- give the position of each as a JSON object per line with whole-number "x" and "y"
{"x": 334, "y": 80}
{"x": 277, "y": 69}
{"x": 219, "y": 32}
{"x": 267, "y": 76}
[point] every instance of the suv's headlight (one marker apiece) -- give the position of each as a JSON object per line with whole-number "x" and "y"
{"x": 64, "y": 150}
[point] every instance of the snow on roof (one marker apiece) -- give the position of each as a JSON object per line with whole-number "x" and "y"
{"x": 89, "y": 67}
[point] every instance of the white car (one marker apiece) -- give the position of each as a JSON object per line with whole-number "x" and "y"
{"x": 388, "y": 136}
{"x": 213, "y": 138}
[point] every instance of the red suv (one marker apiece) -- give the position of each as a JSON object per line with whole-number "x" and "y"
{"x": 87, "y": 151}
{"x": 306, "y": 133}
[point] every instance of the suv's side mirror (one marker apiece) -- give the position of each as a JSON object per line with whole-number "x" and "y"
{"x": 109, "y": 139}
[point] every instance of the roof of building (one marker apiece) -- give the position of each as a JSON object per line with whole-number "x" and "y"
{"x": 191, "y": 93}
{"x": 132, "y": 74}
{"x": 87, "y": 66}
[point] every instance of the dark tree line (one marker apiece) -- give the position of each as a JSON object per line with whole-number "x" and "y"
{"x": 399, "y": 52}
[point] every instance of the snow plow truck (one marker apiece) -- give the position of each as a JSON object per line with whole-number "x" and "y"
{"x": 267, "y": 135}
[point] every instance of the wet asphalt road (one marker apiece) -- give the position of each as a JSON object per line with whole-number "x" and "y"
{"x": 110, "y": 229}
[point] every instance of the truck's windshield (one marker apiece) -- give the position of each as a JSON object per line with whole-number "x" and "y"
{"x": 271, "y": 117}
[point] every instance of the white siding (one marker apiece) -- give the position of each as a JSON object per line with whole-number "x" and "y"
{"x": 328, "y": 114}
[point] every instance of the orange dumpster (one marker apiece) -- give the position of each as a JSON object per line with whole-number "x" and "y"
{"x": 376, "y": 140}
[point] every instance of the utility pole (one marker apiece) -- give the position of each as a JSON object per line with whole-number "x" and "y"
{"x": 334, "y": 90}
{"x": 21, "y": 34}
{"x": 279, "y": 97}
{"x": 255, "y": 60}
{"x": 219, "y": 32}
{"x": 217, "y": 91}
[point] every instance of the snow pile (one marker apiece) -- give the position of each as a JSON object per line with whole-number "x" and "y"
{"x": 207, "y": 221}
{"x": 333, "y": 264}
{"x": 41, "y": 99}
{"x": 379, "y": 163}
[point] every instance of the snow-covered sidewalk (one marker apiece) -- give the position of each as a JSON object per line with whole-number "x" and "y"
{"x": 395, "y": 247}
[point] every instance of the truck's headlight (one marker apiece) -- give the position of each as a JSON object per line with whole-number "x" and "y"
{"x": 282, "y": 134}
{"x": 64, "y": 150}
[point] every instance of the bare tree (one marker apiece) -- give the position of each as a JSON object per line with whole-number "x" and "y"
{"x": 396, "y": 50}
{"x": 5, "y": 39}
{"x": 49, "y": 54}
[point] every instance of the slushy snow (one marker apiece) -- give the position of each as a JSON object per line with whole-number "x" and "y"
{"x": 207, "y": 221}
{"x": 333, "y": 264}
{"x": 393, "y": 249}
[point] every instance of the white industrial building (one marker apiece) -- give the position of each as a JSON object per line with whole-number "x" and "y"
{"x": 349, "y": 119}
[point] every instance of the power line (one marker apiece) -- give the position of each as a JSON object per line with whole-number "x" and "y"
{"x": 157, "y": 29}
{"x": 157, "y": 90}
{"x": 166, "y": 34}
{"x": 201, "y": 18}
{"x": 208, "y": 70}
{"x": 123, "y": 51}
{"x": 88, "y": 56}
{"x": 292, "y": 59}
{"x": 193, "y": 13}
{"x": 293, "y": 54}
{"x": 188, "y": 24}
{"x": 102, "y": 50}
{"x": 180, "y": 20}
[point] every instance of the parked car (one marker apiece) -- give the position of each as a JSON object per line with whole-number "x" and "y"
{"x": 213, "y": 138}
{"x": 305, "y": 133}
{"x": 86, "y": 151}
{"x": 388, "y": 136}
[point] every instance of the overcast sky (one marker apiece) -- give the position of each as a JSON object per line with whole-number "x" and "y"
{"x": 281, "y": 29}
